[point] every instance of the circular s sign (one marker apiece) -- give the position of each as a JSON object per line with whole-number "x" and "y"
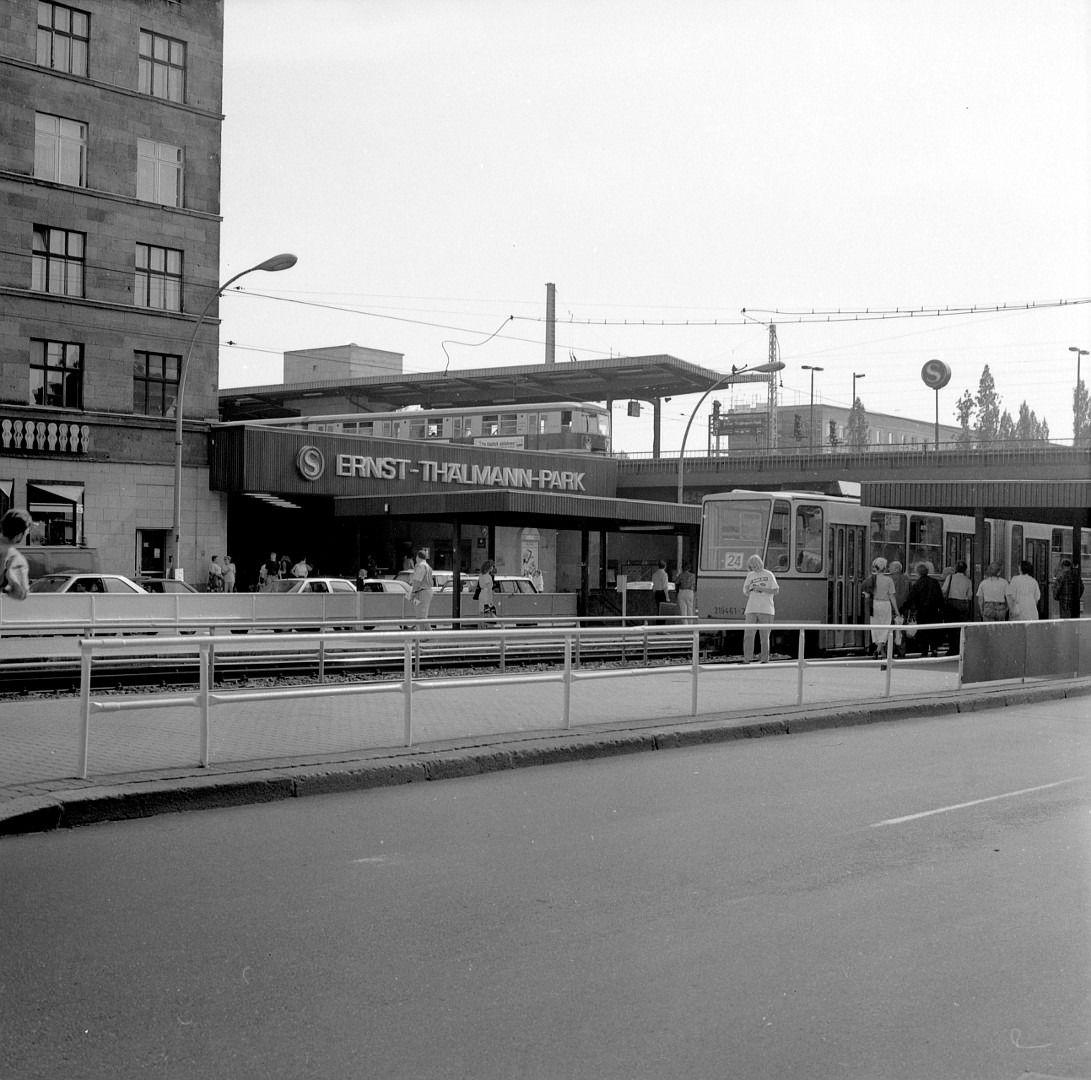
{"x": 936, "y": 374}
{"x": 310, "y": 462}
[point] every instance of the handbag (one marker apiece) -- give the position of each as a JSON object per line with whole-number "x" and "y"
{"x": 911, "y": 625}
{"x": 477, "y": 592}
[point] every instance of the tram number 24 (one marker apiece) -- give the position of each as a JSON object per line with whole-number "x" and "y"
{"x": 733, "y": 560}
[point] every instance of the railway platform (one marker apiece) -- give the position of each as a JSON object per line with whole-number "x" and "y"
{"x": 145, "y": 762}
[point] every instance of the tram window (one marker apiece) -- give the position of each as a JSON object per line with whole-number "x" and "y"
{"x": 566, "y": 419}
{"x": 1016, "y": 553}
{"x": 509, "y": 424}
{"x": 809, "y": 539}
{"x": 887, "y": 536}
{"x": 926, "y": 540}
{"x": 776, "y": 555}
{"x": 433, "y": 428}
{"x": 490, "y": 424}
{"x": 733, "y": 531}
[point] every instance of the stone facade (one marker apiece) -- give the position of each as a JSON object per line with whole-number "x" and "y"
{"x": 125, "y": 462}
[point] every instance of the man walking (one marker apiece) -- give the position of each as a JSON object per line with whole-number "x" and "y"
{"x": 420, "y": 587}
{"x": 1068, "y": 589}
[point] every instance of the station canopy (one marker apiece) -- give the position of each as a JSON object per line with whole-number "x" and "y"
{"x": 643, "y": 378}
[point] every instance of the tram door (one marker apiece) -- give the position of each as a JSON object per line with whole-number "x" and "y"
{"x": 1037, "y": 552}
{"x": 847, "y": 551}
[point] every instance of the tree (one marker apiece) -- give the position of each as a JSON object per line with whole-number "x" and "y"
{"x": 964, "y": 410}
{"x": 859, "y": 431}
{"x": 1081, "y": 416}
{"x": 1028, "y": 428}
{"x": 987, "y": 405}
{"x": 1007, "y": 427}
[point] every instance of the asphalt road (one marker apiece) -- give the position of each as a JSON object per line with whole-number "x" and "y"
{"x": 773, "y": 908}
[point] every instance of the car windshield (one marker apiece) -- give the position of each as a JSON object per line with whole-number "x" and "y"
{"x": 283, "y": 586}
{"x": 52, "y": 583}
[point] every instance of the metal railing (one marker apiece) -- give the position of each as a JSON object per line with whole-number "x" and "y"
{"x": 206, "y": 699}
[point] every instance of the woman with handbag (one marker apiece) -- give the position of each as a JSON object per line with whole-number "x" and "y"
{"x": 486, "y": 590}
{"x": 925, "y": 604}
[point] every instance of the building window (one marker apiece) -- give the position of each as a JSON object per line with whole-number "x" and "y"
{"x": 56, "y": 374}
{"x": 162, "y": 67}
{"x": 155, "y": 383}
{"x": 57, "y": 262}
{"x": 60, "y": 150}
{"x": 63, "y": 37}
{"x": 158, "y": 278}
{"x": 159, "y": 172}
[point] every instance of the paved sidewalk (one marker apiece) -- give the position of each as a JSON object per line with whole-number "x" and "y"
{"x": 147, "y": 761}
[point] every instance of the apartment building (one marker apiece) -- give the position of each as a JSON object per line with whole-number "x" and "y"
{"x": 110, "y": 115}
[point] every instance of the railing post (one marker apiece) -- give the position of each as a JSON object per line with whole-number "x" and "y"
{"x": 204, "y": 664}
{"x": 321, "y": 660}
{"x": 644, "y": 634}
{"x": 567, "y": 680}
{"x": 801, "y": 665}
{"x": 407, "y": 689}
{"x": 696, "y": 670}
{"x": 85, "y": 706}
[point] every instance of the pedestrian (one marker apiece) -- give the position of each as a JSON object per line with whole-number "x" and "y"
{"x": 14, "y": 569}
{"x": 486, "y": 590}
{"x": 284, "y": 567}
{"x": 420, "y": 586}
{"x": 372, "y": 567}
{"x": 958, "y": 592}
{"x": 660, "y": 581}
{"x": 759, "y": 588}
{"x": 925, "y": 603}
{"x": 229, "y": 574}
{"x": 302, "y": 569}
{"x": 269, "y": 571}
{"x": 215, "y": 575}
{"x": 1068, "y": 589}
{"x": 901, "y": 593}
{"x": 884, "y": 608}
{"x": 687, "y": 593}
{"x": 1023, "y": 594}
{"x": 992, "y": 595}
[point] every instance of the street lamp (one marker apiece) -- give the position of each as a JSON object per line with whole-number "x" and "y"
{"x": 277, "y": 262}
{"x": 812, "y": 370}
{"x": 1077, "y": 410}
{"x": 855, "y": 376}
{"x": 760, "y": 369}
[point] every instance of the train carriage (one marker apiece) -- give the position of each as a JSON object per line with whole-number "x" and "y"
{"x": 821, "y": 547}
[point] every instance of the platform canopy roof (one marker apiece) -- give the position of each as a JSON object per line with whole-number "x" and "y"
{"x": 1052, "y": 502}
{"x": 545, "y": 510}
{"x": 617, "y": 378}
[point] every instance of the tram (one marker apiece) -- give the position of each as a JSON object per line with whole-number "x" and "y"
{"x": 821, "y": 547}
{"x": 569, "y": 426}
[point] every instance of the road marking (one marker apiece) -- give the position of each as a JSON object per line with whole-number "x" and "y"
{"x": 975, "y": 802}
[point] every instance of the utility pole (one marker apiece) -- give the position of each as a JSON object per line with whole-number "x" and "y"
{"x": 772, "y": 400}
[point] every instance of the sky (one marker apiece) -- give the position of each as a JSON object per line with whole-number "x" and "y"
{"x": 685, "y": 174}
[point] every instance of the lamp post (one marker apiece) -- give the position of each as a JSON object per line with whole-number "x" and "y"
{"x": 1077, "y": 410}
{"x": 855, "y": 376}
{"x": 812, "y": 370}
{"x": 760, "y": 369}
{"x": 277, "y": 262}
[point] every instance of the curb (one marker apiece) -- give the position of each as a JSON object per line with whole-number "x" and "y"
{"x": 152, "y": 795}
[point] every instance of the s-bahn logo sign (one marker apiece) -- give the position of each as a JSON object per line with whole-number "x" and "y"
{"x": 310, "y": 462}
{"x": 936, "y": 374}
{"x": 454, "y": 472}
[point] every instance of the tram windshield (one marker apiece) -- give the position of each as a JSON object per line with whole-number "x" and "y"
{"x": 733, "y": 531}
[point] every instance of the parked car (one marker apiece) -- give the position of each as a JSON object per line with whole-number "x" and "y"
{"x": 311, "y": 585}
{"x": 92, "y": 583}
{"x": 389, "y": 585}
{"x": 43, "y": 559}
{"x": 502, "y": 583}
{"x": 164, "y": 585}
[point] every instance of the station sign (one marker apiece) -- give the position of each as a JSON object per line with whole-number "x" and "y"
{"x": 320, "y": 463}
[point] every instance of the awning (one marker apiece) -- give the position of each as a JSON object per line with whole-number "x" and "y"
{"x": 544, "y": 510}
{"x": 72, "y": 493}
